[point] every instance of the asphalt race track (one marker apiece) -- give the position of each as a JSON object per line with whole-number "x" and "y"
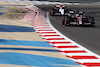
{"x": 89, "y": 37}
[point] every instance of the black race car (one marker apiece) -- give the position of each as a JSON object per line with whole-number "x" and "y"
{"x": 77, "y": 18}
{"x": 58, "y": 10}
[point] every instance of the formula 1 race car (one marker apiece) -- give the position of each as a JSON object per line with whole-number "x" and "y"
{"x": 58, "y": 10}
{"x": 77, "y": 18}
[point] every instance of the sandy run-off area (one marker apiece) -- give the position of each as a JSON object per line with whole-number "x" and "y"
{"x": 14, "y": 17}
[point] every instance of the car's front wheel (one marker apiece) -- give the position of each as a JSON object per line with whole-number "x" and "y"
{"x": 63, "y": 20}
{"x": 52, "y": 12}
{"x": 91, "y": 20}
{"x": 67, "y": 21}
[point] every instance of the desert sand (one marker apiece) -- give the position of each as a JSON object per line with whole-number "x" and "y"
{"x": 14, "y": 17}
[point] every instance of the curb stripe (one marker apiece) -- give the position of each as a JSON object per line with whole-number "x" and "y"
{"x": 78, "y": 54}
{"x": 50, "y": 35}
{"x": 55, "y": 38}
{"x": 88, "y": 60}
{"x": 60, "y": 42}
{"x": 66, "y": 46}
{"x": 92, "y": 64}
{"x": 82, "y": 51}
{"x": 47, "y": 32}
{"x": 44, "y": 30}
{"x": 69, "y": 44}
{"x": 84, "y": 57}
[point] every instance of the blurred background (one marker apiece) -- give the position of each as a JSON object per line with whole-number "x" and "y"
{"x": 83, "y": 1}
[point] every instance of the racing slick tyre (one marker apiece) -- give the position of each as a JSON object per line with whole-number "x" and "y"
{"x": 92, "y": 25}
{"x": 67, "y": 21}
{"x": 63, "y": 20}
{"x": 51, "y": 12}
{"x": 91, "y": 20}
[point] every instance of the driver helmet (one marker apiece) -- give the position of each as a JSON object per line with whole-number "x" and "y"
{"x": 61, "y": 4}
